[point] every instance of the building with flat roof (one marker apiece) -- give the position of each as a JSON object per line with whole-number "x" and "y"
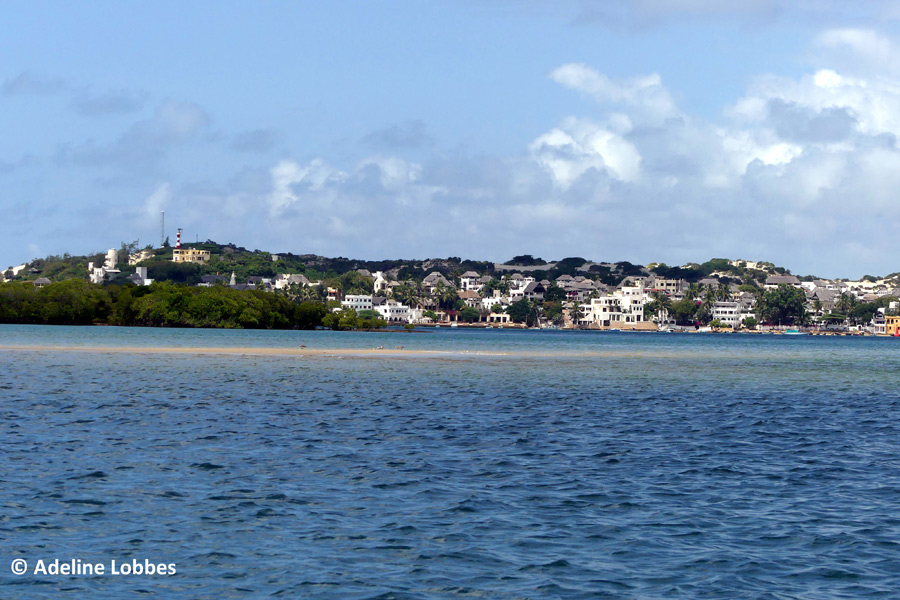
{"x": 190, "y": 255}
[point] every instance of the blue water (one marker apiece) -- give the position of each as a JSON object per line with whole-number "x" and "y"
{"x": 504, "y": 464}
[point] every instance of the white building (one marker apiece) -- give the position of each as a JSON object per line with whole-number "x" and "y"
{"x": 625, "y": 306}
{"x": 393, "y": 312}
{"x": 139, "y": 256}
{"x": 728, "y": 313}
{"x": 108, "y": 270}
{"x": 381, "y": 283}
{"x": 357, "y": 302}
{"x": 139, "y": 277}
{"x": 470, "y": 281}
{"x": 286, "y": 280}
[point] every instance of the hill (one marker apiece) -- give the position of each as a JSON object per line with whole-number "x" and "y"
{"x": 244, "y": 263}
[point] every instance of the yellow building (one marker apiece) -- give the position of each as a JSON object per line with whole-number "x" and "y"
{"x": 190, "y": 255}
{"x": 892, "y": 325}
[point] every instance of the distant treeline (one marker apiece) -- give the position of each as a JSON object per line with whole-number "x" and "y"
{"x": 164, "y": 304}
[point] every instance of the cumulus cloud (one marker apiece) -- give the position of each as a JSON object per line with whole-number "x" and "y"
{"x": 641, "y": 179}
{"x": 293, "y": 183}
{"x": 579, "y": 145}
{"x": 644, "y": 97}
{"x": 800, "y": 170}
{"x": 864, "y": 48}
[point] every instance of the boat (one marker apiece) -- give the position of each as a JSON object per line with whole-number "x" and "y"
{"x": 794, "y": 332}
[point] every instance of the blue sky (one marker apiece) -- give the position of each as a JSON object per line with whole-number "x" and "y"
{"x": 643, "y": 130}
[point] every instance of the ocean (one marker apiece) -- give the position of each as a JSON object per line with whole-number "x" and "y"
{"x": 471, "y": 463}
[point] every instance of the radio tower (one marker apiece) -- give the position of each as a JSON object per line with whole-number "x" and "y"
{"x": 178, "y": 238}
{"x": 162, "y": 229}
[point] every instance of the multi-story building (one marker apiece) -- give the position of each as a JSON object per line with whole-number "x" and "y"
{"x": 357, "y": 302}
{"x": 623, "y": 307}
{"x": 728, "y": 313}
{"x": 190, "y": 255}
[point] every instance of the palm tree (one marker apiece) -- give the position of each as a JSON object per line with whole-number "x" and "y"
{"x": 409, "y": 293}
{"x": 723, "y": 292}
{"x": 845, "y": 303}
{"x": 662, "y": 304}
{"x": 693, "y": 291}
{"x": 576, "y": 313}
{"x": 445, "y": 294}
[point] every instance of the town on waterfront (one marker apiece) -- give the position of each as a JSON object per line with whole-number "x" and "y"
{"x": 214, "y": 285}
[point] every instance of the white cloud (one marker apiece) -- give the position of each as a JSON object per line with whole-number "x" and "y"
{"x": 645, "y": 97}
{"x": 292, "y": 182}
{"x": 867, "y": 47}
{"x": 790, "y": 170}
{"x": 158, "y": 200}
{"x": 775, "y": 178}
{"x": 579, "y": 145}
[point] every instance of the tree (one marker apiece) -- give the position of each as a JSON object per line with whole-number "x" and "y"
{"x": 525, "y": 260}
{"x": 370, "y": 319}
{"x": 693, "y": 292}
{"x": 554, "y": 293}
{"x": 523, "y": 311}
{"x": 410, "y": 292}
{"x": 660, "y": 303}
{"x": 684, "y": 311}
{"x": 817, "y": 306}
{"x": 310, "y": 315}
{"x": 126, "y": 250}
{"x": 469, "y": 315}
{"x": 553, "y": 312}
{"x": 782, "y": 305}
{"x": 723, "y": 292}
{"x": 341, "y": 320}
{"x": 749, "y": 323}
{"x": 576, "y": 312}
{"x": 446, "y": 295}
{"x": 845, "y": 303}
{"x": 863, "y": 312}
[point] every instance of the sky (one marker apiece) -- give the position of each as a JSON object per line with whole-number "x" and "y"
{"x": 667, "y": 131}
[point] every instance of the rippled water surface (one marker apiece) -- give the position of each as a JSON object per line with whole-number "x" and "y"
{"x": 506, "y": 464}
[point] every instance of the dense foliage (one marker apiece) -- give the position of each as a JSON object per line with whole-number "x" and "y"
{"x": 165, "y": 304}
{"x": 784, "y": 305}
